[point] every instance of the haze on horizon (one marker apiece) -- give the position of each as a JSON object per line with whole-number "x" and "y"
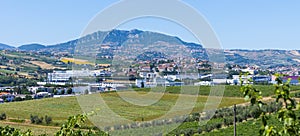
{"x": 238, "y": 24}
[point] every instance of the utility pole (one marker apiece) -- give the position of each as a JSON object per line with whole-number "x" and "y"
{"x": 234, "y": 120}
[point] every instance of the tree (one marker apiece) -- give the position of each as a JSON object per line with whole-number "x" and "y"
{"x": 55, "y": 92}
{"x": 36, "y": 120}
{"x": 142, "y": 84}
{"x": 69, "y": 91}
{"x": 286, "y": 115}
{"x": 28, "y": 97}
{"x": 62, "y": 92}
{"x": 86, "y": 91}
{"x": 24, "y": 90}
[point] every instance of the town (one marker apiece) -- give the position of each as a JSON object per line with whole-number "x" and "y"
{"x": 35, "y": 75}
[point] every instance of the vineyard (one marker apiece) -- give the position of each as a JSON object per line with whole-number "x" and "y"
{"x": 198, "y": 122}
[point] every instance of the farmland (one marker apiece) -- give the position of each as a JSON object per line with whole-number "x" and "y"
{"x": 75, "y": 61}
{"x": 61, "y": 108}
{"x": 44, "y": 65}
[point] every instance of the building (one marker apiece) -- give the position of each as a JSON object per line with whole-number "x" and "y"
{"x": 294, "y": 79}
{"x": 40, "y": 95}
{"x": 60, "y": 76}
{"x": 66, "y": 76}
{"x": 142, "y": 83}
{"x": 172, "y": 77}
{"x": 7, "y": 96}
{"x": 203, "y": 83}
{"x": 262, "y": 79}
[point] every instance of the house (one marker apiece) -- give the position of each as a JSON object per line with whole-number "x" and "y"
{"x": 172, "y": 77}
{"x": 249, "y": 70}
{"x": 147, "y": 75}
{"x": 145, "y": 68}
{"x": 42, "y": 95}
{"x": 33, "y": 89}
{"x": 7, "y": 96}
{"x": 4, "y": 94}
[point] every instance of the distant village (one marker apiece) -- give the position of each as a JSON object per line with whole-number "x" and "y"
{"x": 142, "y": 74}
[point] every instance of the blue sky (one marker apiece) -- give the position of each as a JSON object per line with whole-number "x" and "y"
{"x": 239, "y": 24}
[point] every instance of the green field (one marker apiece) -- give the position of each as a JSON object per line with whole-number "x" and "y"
{"x": 229, "y": 91}
{"x": 61, "y": 108}
{"x": 58, "y": 108}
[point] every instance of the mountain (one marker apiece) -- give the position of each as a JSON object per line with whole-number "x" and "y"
{"x": 118, "y": 37}
{"x": 115, "y": 39}
{"x": 5, "y": 47}
{"x": 32, "y": 47}
{"x": 105, "y": 43}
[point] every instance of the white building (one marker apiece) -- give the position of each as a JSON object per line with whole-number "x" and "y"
{"x": 204, "y": 83}
{"x": 172, "y": 77}
{"x": 65, "y": 76}
{"x": 60, "y": 76}
{"x": 143, "y": 83}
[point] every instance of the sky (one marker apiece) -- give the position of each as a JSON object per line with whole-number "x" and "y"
{"x": 255, "y": 24}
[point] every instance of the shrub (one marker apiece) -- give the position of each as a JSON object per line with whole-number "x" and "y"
{"x": 28, "y": 97}
{"x": 17, "y": 120}
{"x": 18, "y": 99}
{"x": 3, "y": 116}
{"x": 48, "y": 119}
{"x": 36, "y": 120}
